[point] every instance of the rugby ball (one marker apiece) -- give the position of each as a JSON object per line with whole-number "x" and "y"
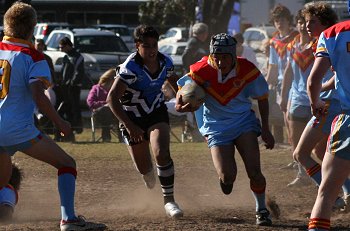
{"x": 192, "y": 93}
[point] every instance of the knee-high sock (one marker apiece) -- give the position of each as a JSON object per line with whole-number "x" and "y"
{"x": 319, "y": 224}
{"x": 259, "y": 196}
{"x": 315, "y": 174}
{"x": 66, "y": 188}
{"x": 166, "y": 179}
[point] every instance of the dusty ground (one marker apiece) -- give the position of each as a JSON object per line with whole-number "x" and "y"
{"x": 109, "y": 190}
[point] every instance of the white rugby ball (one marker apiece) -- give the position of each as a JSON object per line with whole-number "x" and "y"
{"x": 192, "y": 93}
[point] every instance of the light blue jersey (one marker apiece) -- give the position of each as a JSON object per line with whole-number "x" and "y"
{"x": 20, "y": 65}
{"x": 334, "y": 43}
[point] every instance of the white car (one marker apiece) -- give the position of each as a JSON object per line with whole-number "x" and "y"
{"x": 101, "y": 50}
{"x": 42, "y": 30}
{"x": 175, "y": 51}
{"x": 173, "y": 35}
{"x": 256, "y": 36}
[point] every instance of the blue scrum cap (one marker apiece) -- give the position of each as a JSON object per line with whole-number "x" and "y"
{"x": 223, "y": 44}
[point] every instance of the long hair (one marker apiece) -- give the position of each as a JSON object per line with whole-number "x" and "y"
{"x": 107, "y": 76}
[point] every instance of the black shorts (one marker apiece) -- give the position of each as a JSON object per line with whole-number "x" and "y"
{"x": 159, "y": 115}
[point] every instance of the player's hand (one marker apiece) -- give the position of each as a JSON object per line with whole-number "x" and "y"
{"x": 319, "y": 109}
{"x": 283, "y": 105}
{"x": 180, "y": 106}
{"x": 64, "y": 127}
{"x": 268, "y": 138}
{"x": 135, "y": 132}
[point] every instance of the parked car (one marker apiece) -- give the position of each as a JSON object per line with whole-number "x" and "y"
{"x": 101, "y": 50}
{"x": 43, "y": 30}
{"x": 175, "y": 51}
{"x": 120, "y": 30}
{"x": 173, "y": 35}
{"x": 256, "y": 36}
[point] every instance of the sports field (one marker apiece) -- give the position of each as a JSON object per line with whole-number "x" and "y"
{"x": 109, "y": 190}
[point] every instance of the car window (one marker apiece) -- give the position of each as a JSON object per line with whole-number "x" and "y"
{"x": 256, "y": 36}
{"x": 170, "y": 33}
{"x": 166, "y": 49}
{"x": 55, "y": 39}
{"x": 180, "y": 50}
{"x": 121, "y": 31}
{"x": 90, "y": 44}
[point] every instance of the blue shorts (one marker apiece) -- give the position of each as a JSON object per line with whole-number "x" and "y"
{"x": 228, "y": 137}
{"x": 11, "y": 150}
{"x": 324, "y": 123}
{"x": 339, "y": 138}
{"x": 299, "y": 113}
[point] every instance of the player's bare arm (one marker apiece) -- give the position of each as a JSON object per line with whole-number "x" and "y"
{"x": 113, "y": 99}
{"x": 266, "y": 135}
{"x": 45, "y": 106}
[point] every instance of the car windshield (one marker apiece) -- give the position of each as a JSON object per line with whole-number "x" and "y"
{"x": 91, "y": 44}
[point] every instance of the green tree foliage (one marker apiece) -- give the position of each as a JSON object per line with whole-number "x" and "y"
{"x": 163, "y": 14}
{"x": 216, "y": 14}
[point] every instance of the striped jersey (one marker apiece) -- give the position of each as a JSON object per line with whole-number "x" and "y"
{"x": 143, "y": 93}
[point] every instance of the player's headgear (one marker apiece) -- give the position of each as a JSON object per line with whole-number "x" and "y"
{"x": 223, "y": 44}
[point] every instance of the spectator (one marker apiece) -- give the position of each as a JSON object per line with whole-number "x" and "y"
{"x": 197, "y": 46}
{"x": 72, "y": 76}
{"x": 245, "y": 51}
{"x": 96, "y": 101}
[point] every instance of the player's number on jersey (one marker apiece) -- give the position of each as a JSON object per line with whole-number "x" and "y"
{"x": 5, "y": 73}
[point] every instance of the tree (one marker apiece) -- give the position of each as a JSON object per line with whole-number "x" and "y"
{"x": 164, "y": 14}
{"x": 216, "y": 14}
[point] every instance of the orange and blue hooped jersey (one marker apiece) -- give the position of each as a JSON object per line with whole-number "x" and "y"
{"x": 20, "y": 65}
{"x": 334, "y": 43}
{"x": 228, "y": 99}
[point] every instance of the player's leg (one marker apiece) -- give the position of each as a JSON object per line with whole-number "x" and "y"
{"x": 297, "y": 120}
{"x": 5, "y": 168}
{"x": 247, "y": 146}
{"x": 141, "y": 157}
{"x": 7, "y": 199}
{"x": 224, "y": 162}
{"x": 160, "y": 140}
{"x": 45, "y": 149}
{"x": 334, "y": 170}
{"x": 310, "y": 138}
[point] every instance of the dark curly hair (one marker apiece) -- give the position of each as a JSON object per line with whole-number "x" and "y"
{"x": 322, "y": 11}
{"x": 280, "y": 11}
{"x": 143, "y": 31}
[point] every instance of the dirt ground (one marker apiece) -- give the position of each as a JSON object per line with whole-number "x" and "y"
{"x": 109, "y": 190}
